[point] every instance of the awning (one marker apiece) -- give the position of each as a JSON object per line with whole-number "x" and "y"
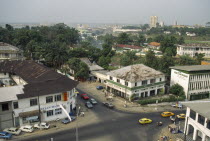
{"x": 172, "y": 126}
{"x": 29, "y": 114}
{"x": 32, "y": 118}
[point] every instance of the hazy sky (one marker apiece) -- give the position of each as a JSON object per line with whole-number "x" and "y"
{"x": 105, "y": 11}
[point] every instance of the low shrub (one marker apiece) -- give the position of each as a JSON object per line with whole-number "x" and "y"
{"x": 170, "y": 99}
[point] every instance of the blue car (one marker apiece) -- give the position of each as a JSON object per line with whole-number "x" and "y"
{"x": 5, "y": 135}
{"x": 66, "y": 120}
{"x": 99, "y": 87}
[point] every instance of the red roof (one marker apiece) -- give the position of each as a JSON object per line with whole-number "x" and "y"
{"x": 129, "y": 46}
{"x": 154, "y": 44}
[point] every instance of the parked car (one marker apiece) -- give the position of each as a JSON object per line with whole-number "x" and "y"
{"x": 181, "y": 116}
{"x": 99, "y": 87}
{"x": 88, "y": 104}
{"x": 13, "y": 130}
{"x": 145, "y": 121}
{"x": 67, "y": 120}
{"x": 85, "y": 96}
{"x": 93, "y": 101}
{"x": 109, "y": 105}
{"x": 177, "y": 105}
{"x": 42, "y": 125}
{"x": 27, "y": 128}
{"x": 5, "y": 135}
{"x": 167, "y": 114}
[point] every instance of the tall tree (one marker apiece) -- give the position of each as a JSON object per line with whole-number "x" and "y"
{"x": 123, "y": 38}
{"x": 9, "y": 27}
{"x": 181, "y": 40}
{"x": 199, "y": 58}
{"x": 165, "y": 62}
{"x": 151, "y": 60}
{"x": 186, "y": 60}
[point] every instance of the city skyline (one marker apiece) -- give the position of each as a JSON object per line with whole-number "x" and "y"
{"x": 188, "y": 12}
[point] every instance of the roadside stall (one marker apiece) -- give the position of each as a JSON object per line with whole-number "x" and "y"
{"x": 173, "y": 128}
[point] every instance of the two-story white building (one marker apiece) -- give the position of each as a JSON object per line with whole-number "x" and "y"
{"x": 9, "y": 52}
{"x": 194, "y": 49}
{"x": 138, "y": 80}
{"x": 194, "y": 79}
{"x": 36, "y": 91}
{"x": 197, "y": 121}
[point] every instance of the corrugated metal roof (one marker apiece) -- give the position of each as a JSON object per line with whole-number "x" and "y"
{"x": 192, "y": 68}
{"x": 41, "y": 80}
{"x": 5, "y": 46}
{"x": 135, "y": 73}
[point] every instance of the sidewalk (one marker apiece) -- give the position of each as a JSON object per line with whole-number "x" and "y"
{"x": 118, "y": 102}
{"x": 174, "y": 137}
{"x": 80, "y": 121}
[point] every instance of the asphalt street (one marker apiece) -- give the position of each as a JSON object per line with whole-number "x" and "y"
{"x": 114, "y": 125}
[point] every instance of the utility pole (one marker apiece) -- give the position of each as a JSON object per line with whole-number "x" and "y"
{"x": 77, "y": 112}
{"x": 39, "y": 108}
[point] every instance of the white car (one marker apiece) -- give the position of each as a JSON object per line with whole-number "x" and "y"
{"x": 27, "y": 128}
{"x": 42, "y": 125}
{"x": 13, "y": 130}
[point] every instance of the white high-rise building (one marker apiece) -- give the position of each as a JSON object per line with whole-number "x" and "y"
{"x": 162, "y": 24}
{"x": 153, "y": 21}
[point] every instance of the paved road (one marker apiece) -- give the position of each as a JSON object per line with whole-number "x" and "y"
{"x": 113, "y": 125}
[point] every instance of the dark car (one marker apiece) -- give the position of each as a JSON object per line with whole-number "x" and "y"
{"x": 85, "y": 96}
{"x": 109, "y": 105}
{"x": 5, "y": 135}
{"x": 93, "y": 101}
{"x": 67, "y": 120}
{"x": 99, "y": 87}
{"x": 88, "y": 104}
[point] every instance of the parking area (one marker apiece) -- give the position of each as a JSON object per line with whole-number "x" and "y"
{"x": 119, "y": 103}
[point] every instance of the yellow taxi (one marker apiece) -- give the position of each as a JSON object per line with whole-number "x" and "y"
{"x": 76, "y": 92}
{"x": 167, "y": 114}
{"x": 145, "y": 121}
{"x": 181, "y": 116}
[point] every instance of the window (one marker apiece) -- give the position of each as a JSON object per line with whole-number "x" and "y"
{"x": 58, "y": 97}
{"x": 118, "y": 80}
{"x": 49, "y": 99}
{"x": 201, "y": 119}
{"x": 152, "y": 81}
{"x": 144, "y": 82}
{"x": 192, "y": 114}
{"x": 126, "y": 83}
{"x": 49, "y": 113}
{"x": 136, "y": 84}
{"x": 15, "y": 105}
{"x": 58, "y": 111}
{"x": 5, "y": 107}
{"x": 33, "y": 102}
{"x": 160, "y": 79}
{"x": 110, "y": 78}
{"x": 6, "y": 54}
{"x": 208, "y": 124}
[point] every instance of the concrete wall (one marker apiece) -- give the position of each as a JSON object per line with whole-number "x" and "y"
{"x": 180, "y": 78}
{"x": 199, "y": 129}
{"x": 6, "y": 119}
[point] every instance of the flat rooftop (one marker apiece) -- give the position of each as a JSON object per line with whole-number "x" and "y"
{"x": 192, "y": 68}
{"x": 10, "y": 93}
{"x": 196, "y": 45}
{"x": 201, "y": 107}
